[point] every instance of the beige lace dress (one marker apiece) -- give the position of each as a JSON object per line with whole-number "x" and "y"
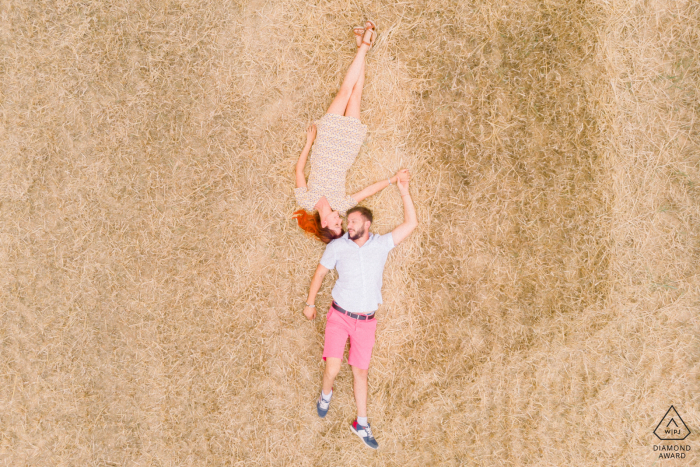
{"x": 338, "y": 141}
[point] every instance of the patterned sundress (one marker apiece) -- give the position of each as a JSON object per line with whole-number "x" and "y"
{"x": 338, "y": 141}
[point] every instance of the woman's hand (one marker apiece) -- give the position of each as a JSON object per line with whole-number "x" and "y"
{"x": 310, "y": 134}
{"x": 310, "y": 312}
{"x": 401, "y": 175}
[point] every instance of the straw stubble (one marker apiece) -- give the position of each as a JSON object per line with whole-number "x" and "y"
{"x": 153, "y": 279}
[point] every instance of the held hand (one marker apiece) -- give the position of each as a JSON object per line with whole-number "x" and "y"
{"x": 403, "y": 187}
{"x": 310, "y": 312}
{"x": 311, "y": 133}
{"x": 402, "y": 174}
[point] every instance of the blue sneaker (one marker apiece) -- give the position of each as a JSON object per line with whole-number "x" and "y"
{"x": 364, "y": 432}
{"x": 322, "y": 406}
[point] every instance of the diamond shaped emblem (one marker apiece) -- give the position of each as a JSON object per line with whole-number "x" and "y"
{"x": 672, "y": 427}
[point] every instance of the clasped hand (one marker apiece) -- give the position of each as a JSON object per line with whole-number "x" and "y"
{"x": 402, "y": 178}
{"x": 402, "y": 175}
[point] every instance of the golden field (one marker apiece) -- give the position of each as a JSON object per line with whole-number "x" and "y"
{"x": 152, "y": 281}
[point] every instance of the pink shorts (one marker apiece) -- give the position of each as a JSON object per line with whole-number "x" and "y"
{"x": 361, "y": 333}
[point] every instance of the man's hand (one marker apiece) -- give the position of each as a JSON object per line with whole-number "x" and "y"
{"x": 403, "y": 186}
{"x": 310, "y": 134}
{"x": 310, "y": 312}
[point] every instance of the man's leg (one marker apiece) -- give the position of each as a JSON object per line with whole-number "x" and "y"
{"x": 329, "y": 374}
{"x": 359, "y": 377}
{"x": 333, "y": 349}
{"x": 361, "y": 426}
{"x": 361, "y": 344}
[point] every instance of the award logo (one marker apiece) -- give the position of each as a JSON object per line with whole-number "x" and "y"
{"x": 672, "y": 427}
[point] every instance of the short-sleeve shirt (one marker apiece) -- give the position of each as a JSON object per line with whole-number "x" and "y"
{"x": 360, "y": 270}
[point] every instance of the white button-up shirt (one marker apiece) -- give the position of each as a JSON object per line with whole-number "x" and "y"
{"x": 360, "y": 269}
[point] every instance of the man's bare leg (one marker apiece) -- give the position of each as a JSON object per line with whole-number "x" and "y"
{"x": 361, "y": 425}
{"x": 359, "y": 377}
{"x": 340, "y": 103}
{"x": 329, "y": 374}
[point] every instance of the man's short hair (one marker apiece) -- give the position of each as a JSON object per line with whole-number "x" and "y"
{"x": 366, "y": 213}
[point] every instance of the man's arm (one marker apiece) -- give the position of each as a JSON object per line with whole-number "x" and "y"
{"x": 409, "y": 214}
{"x": 321, "y": 271}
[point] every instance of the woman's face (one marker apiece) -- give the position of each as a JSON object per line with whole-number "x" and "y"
{"x": 334, "y": 222}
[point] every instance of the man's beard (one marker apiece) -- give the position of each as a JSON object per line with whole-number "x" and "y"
{"x": 359, "y": 233}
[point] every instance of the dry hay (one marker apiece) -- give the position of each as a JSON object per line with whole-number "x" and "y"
{"x": 543, "y": 313}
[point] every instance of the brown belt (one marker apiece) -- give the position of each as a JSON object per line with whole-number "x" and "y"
{"x": 353, "y": 315}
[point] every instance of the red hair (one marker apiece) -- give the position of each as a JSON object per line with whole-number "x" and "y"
{"x": 312, "y": 224}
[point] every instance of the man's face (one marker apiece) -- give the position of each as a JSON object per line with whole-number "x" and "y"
{"x": 356, "y": 226}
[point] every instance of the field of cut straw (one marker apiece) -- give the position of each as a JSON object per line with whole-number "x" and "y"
{"x": 152, "y": 281}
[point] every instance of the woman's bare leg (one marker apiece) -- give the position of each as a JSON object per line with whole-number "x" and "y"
{"x": 340, "y": 103}
{"x": 353, "y": 108}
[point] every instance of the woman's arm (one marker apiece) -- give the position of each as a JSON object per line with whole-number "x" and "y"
{"x": 301, "y": 163}
{"x": 403, "y": 174}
